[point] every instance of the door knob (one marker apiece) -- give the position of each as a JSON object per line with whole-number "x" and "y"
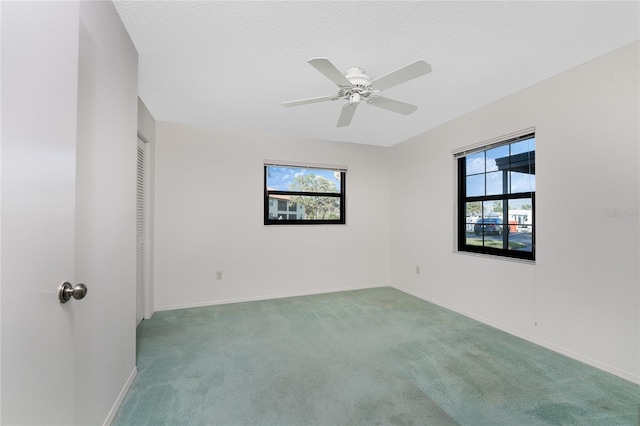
{"x": 66, "y": 291}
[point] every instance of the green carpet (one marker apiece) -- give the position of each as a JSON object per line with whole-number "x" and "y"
{"x": 366, "y": 357}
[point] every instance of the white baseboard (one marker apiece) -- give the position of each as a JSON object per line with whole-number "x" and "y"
{"x": 266, "y": 297}
{"x": 563, "y": 351}
{"x": 123, "y": 393}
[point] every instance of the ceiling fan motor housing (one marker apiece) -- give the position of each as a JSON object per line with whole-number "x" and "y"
{"x": 360, "y": 84}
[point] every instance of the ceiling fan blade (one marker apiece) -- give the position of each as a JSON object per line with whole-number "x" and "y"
{"x": 347, "y": 114}
{"x": 401, "y": 75}
{"x": 393, "y": 105}
{"x": 330, "y": 71}
{"x": 309, "y": 101}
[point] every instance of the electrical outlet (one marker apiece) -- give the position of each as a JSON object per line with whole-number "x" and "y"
{"x": 219, "y": 275}
{"x": 417, "y": 269}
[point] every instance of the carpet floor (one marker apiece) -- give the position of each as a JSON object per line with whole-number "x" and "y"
{"x": 367, "y": 357}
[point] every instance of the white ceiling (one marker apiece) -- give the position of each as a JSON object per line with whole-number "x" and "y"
{"x": 229, "y": 64}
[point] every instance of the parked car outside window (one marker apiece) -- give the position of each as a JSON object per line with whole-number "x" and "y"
{"x": 488, "y": 225}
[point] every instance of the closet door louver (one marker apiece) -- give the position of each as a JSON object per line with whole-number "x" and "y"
{"x": 140, "y": 235}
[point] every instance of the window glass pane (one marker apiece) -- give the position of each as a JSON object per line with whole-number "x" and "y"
{"x": 523, "y": 146}
{"x": 279, "y": 209}
{"x": 473, "y": 212}
{"x": 522, "y": 166}
{"x": 492, "y": 209}
{"x": 306, "y": 208}
{"x": 317, "y": 208}
{"x": 475, "y": 163}
{"x": 522, "y": 182}
{"x": 521, "y": 224}
{"x": 302, "y": 179}
{"x": 496, "y": 153}
{"x": 494, "y": 183}
{"x": 475, "y": 185}
{"x": 486, "y": 231}
{"x": 473, "y": 239}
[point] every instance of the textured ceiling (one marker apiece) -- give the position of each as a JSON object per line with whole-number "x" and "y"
{"x": 229, "y": 64}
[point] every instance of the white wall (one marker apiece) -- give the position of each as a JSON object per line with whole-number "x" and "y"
{"x": 581, "y": 297}
{"x": 146, "y": 123}
{"x": 209, "y": 217}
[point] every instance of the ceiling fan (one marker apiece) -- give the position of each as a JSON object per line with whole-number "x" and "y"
{"x": 356, "y": 86}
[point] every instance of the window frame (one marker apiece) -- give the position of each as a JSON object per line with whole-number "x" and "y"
{"x": 341, "y": 196}
{"x": 463, "y": 199}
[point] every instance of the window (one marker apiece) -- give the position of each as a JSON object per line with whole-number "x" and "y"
{"x": 303, "y": 194}
{"x": 496, "y": 198}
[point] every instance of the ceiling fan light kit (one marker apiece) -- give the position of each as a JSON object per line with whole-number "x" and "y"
{"x": 356, "y": 86}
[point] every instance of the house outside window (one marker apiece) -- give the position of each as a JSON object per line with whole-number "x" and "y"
{"x": 303, "y": 194}
{"x": 496, "y": 198}
{"x": 283, "y": 207}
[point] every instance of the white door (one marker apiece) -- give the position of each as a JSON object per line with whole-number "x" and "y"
{"x": 67, "y": 206}
{"x": 38, "y": 211}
